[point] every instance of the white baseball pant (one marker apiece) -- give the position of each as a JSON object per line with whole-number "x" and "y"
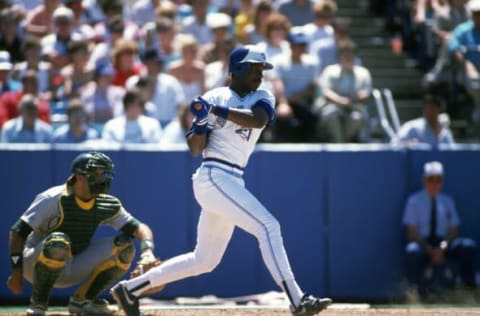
{"x": 226, "y": 203}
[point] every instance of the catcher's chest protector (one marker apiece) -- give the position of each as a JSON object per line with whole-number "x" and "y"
{"x": 80, "y": 224}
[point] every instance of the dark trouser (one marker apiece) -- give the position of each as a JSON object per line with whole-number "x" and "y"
{"x": 460, "y": 250}
{"x": 300, "y": 128}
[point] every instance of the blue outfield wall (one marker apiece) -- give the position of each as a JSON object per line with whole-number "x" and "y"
{"x": 340, "y": 207}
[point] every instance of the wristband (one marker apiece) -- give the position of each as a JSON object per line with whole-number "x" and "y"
{"x": 200, "y": 129}
{"x": 147, "y": 244}
{"x": 221, "y": 111}
{"x": 16, "y": 260}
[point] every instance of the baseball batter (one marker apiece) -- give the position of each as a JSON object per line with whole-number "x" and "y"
{"x": 51, "y": 243}
{"x": 228, "y": 122}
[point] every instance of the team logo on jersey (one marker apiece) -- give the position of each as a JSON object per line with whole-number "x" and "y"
{"x": 244, "y": 133}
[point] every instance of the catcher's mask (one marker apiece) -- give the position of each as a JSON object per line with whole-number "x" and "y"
{"x": 91, "y": 166}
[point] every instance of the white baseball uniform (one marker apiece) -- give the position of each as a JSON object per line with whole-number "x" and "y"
{"x": 226, "y": 203}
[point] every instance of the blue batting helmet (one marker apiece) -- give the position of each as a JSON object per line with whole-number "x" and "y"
{"x": 241, "y": 57}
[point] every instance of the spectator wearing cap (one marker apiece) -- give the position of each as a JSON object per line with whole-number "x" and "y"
{"x": 464, "y": 45}
{"x": 295, "y": 81}
{"x": 76, "y": 130}
{"x": 10, "y": 100}
{"x": 133, "y": 126}
{"x": 428, "y": 129}
{"x": 39, "y": 21}
{"x": 6, "y": 82}
{"x": 431, "y": 221}
{"x": 27, "y": 127}
{"x": 161, "y": 89}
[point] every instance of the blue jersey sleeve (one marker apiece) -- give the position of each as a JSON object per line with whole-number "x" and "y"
{"x": 268, "y": 108}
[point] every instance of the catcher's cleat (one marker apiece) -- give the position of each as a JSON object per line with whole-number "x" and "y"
{"x": 126, "y": 300}
{"x": 310, "y": 305}
{"x": 37, "y": 309}
{"x": 98, "y": 306}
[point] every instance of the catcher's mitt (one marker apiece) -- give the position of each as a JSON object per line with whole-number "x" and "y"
{"x": 143, "y": 265}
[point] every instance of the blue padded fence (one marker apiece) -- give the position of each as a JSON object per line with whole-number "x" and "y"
{"x": 340, "y": 208}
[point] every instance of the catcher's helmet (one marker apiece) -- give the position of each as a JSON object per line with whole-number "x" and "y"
{"x": 87, "y": 163}
{"x": 241, "y": 57}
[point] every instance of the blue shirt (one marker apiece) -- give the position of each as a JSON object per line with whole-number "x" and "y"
{"x": 465, "y": 36}
{"x": 296, "y": 77}
{"x": 419, "y": 129}
{"x": 64, "y": 135}
{"x": 418, "y": 208}
{"x": 13, "y": 132}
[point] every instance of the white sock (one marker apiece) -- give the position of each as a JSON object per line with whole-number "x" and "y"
{"x": 294, "y": 290}
{"x": 138, "y": 285}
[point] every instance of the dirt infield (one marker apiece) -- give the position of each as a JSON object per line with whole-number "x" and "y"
{"x": 284, "y": 312}
{"x": 253, "y": 311}
{"x": 329, "y": 312}
{"x": 266, "y": 304}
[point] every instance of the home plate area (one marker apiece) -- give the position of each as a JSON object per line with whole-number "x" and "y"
{"x": 275, "y": 303}
{"x": 266, "y": 304}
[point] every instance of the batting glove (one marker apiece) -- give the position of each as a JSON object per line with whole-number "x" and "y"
{"x": 200, "y": 108}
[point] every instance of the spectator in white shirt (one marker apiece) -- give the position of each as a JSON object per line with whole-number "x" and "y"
{"x": 133, "y": 126}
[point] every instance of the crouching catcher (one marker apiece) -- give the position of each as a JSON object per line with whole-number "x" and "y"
{"x": 52, "y": 246}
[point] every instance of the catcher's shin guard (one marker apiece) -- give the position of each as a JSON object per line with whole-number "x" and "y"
{"x": 50, "y": 263}
{"x": 109, "y": 271}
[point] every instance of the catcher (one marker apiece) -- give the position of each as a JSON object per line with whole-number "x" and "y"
{"x": 51, "y": 243}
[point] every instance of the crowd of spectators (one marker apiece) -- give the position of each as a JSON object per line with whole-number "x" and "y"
{"x": 89, "y": 65}
{"x": 440, "y": 37}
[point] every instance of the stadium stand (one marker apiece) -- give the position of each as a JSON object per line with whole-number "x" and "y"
{"x": 390, "y": 68}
